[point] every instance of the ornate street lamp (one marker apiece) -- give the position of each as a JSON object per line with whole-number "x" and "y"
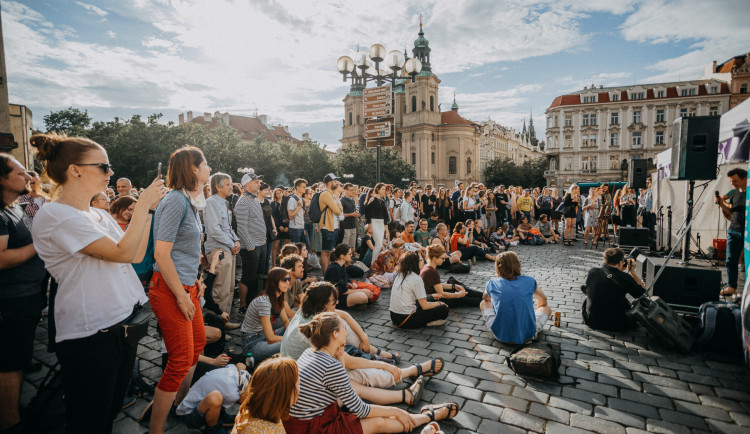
{"x": 366, "y": 68}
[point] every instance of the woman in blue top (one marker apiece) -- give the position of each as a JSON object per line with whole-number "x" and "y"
{"x": 508, "y": 302}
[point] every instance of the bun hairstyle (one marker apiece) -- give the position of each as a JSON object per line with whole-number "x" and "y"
{"x": 321, "y": 328}
{"x": 435, "y": 251}
{"x": 58, "y": 152}
{"x": 340, "y": 251}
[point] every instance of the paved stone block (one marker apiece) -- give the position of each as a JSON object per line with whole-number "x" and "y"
{"x": 660, "y": 381}
{"x": 664, "y": 427}
{"x": 742, "y": 419}
{"x": 549, "y": 413}
{"x": 583, "y": 395}
{"x": 698, "y": 378}
{"x": 491, "y": 426}
{"x": 505, "y": 401}
{"x": 619, "y": 382}
{"x": 127, "y": 425}
{"x": 491, "y": 386}
{"x": 670, "y": 392}
{"x": 632, "y": 407}
{"x": 483, "y": 410}
{"x": 462, "y": 380}
{"x": 571, "y": 405}
{"x": 522, "y": 420}
{"x": 724, "y": 427}
{"x": 584, "y": 374}
{"x": 600, "y": 388}
{"x": 609, "y": 371}
{"x": 621, "y": 417}
{"x": 469, "y": 393}
{"x": 441, "y": 386}
{"x": 466, "y": 420}
{"x": 557, "y": 428}
{"x": 682, "y": 418}
{"x": 530, "y": 395}
{"x": 702, "y": 410}
{"x": 596, "y": 425}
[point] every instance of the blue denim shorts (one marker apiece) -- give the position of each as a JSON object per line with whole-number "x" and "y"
{"x": 329, "y": 239}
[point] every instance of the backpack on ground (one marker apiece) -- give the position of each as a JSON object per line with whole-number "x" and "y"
{"x": 145, "y": 268}
{"x": 721, "y": 328}
{"x": 459, "y": 268}
{"x": 661, "y": 321}
{"x": 536, "y": 360}
{"x": 315, "y": 212}
{"x": 46, "y": 410}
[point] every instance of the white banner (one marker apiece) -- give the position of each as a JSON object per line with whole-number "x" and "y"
{"x": 664, "y": 164}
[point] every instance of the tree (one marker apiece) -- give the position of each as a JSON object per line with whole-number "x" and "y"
{"x": 360, "y": 162}
{"x": 505, "y": 171}
{"x": 71, "y": 121}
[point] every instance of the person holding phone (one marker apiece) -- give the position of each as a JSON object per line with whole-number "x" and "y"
{"x": 606, "y": 304}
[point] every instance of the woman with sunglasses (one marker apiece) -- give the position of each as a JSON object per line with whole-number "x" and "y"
{"x": 265, "y": 319}
{"x": 89, "y": 256}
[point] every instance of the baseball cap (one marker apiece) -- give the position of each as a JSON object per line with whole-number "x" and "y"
{"x": 250, "y": 175}
{"x": 330, "y": 177}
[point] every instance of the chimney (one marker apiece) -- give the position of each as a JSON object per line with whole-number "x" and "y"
{"x": 263, "y": 119}
{"x": 305, "y": 137}
{"x": 286, "y": 128}
{"x": 190, "y": 116}
{"x": 225, "y": 118}
{"x": 181, "y": 119}
{"x": 713, "y": 67}
{"x": 206, "y": 117}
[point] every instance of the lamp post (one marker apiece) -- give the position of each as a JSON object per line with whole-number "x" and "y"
{"x": 362, "y": 70}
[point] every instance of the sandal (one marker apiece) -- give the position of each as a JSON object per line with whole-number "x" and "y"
{"x": 396, "y": 357}
{"x": 431, "y": 409}
{"x": 415, "y": 390}
{"x": 431, "y": 428}
{"x": 430, "y": 372}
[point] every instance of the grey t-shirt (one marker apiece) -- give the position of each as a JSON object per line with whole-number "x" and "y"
{"x": 737, "y": 199}
{"x": 545, "y": 228}
{"x": 185, "y": 236}
{"x": 298, "y": 222}
{"x": 260, "y": 306}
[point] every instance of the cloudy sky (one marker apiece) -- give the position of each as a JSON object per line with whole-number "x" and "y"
{"x": 502, "y": 58}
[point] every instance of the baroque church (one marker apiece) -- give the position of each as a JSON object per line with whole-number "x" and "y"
{"x": 442, "y": 146}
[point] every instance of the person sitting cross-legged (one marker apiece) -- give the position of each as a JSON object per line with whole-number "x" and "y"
{"x": 508, "y": 302}
{"x": 451, "y": 294}
{"x": 350, "y": 293}
{"x": 409, "y": 306}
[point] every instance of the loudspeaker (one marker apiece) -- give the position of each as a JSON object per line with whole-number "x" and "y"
{"x": 633, "y": 237}
{"x": 686, "y": 285}
{"x": 695, "y": 147}
{"x": 637, "y": 173}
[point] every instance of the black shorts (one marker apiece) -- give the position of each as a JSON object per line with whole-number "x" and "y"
{"x": 18, "y": 320}
{"x": 341, "y": 304}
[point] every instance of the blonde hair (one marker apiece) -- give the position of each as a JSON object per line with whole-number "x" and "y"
{"x": 507, "y": 265}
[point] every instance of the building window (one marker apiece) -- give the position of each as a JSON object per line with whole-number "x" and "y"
{"x": 637, "y": 117}
{"x": 452, "y": 165}
{"x": 683, "y": 113}
{"x": 592, "y": 119}
{"x": 432, "y": 156}
{"x": 660, "y": 94}
{"x": 743, "y": 88}
{"x": 614, "y": 139}
{"x": 691, "y": 112}
{"x": 713, "y": 110}
{"x": 468, "y": 166}
{"x": 414, "y": 158}
{"x": 660, "y": 115}
{"x": 568, "y": 141}
{"x": 614, "y": 118}
{"x": 660, "y": 137}
{"x": 350, "y": 118}
{"x": 413, "y": 104}
{"x": 615, "y": 97}
{"x": 637, "y": 95}
{"x": 412, "y": 137}
{"x": 549, "y": 122}
{"x": 432, "y": 103}
{"x": 585, "y": 163}
{"x": 592, "y": 163}
{"x": 714, "y": 90}
{"x": 687, "y": 92}
{"x": 637, "y": 140}
{"x": 433, "y": 137}
{"x": 584, "y": 120}
{"x": 588, "y": 141}
{"x": 588, "y": 99}
{"x": 568, "y": 121}
{"x": 614, "y": 162}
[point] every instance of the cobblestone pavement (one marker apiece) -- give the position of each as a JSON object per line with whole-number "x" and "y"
{"x": 626, "y": 382}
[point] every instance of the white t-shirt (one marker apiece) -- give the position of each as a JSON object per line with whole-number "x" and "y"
{"x": 93, "y": 294}
{"x": 225, "y": 381}
{"x": 405, "y": 293}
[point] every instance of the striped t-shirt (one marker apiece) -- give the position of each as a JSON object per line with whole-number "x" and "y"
{"x": 323, "y": 379}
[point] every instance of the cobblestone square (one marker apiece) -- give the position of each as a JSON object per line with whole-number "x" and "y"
{"x": 626, "y": 382}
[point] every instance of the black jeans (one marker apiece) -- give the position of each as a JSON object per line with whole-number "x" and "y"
{"x": 253, "y": 264}
{"x": 472, "y": 299}
{"x": 420, "y": 317}
{"x": 96, "y": 371}
{"x": 472, "y": 252}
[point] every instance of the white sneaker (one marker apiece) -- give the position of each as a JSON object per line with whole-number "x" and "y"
{"x": 437, "y": 322}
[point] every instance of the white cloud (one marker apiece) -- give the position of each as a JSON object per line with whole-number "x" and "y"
{"x": 92, "y": 9}
{"x": 111, "y": 34}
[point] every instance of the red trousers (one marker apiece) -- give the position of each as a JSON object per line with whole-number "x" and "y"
{"x": 184, "y": 339}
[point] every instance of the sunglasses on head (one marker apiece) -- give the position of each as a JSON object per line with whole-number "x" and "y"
{"x": 286, "y": 279}
{"x": 105, "y": 167}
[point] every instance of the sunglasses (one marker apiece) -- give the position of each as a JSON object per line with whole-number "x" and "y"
{"x": 106, "y": 167}
{"x": 286, "y": 279}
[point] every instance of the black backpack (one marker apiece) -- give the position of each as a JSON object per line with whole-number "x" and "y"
{"x": 284, "y": 210}
{"x": 315, "y": 213}
{"x": 721, "y": 328}
{"x": 46, "y": 411}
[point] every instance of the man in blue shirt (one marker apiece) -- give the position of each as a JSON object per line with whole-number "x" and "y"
{"x": 455, "y": 198}
{"x": 508, "y": 302}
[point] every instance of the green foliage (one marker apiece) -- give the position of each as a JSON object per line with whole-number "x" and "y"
{"x": 361, "y": 163}
{"x": 71, "y": 121}
{"x": 504, "y": 171}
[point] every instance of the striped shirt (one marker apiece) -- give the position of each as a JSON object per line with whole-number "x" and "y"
{"x": 323, "y": 379}
{"x": 251, "y": 227}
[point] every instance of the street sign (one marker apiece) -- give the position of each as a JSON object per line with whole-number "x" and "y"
{"x": 383, "y": 143}
{"x": 375, "y": 130}
{"x": 378, "y": 101}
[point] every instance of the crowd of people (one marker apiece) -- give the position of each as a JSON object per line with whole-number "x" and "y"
{"x": 205, "y": 242}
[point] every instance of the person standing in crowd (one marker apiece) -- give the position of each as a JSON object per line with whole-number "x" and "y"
{"x": 555, "y": 215}
{"x": 456, "y": 200}
{"x": 443, "y": 207}
{"x": 282, "y": 228}
{"x": 88, "y": 255}
{"x": 175, "y": 289}
{"x": 491, "y": 211}
{"x": 570, "y": 205}
{"x": 627, "y": 203}
{"x": 21, "y": 296}
{"x": 525, "y": 205}
{"x": 330, "y": 209}
{"x": 34, "y": 198}
{"x": 503, "y": 206}
{"x": 122, "y": 210}
{"x": 124, "y": 188}
{"x": 377, "y": 215}
{"x": 296, "y": 209}
{"x": 591, "y": 208}
{"x": 266, "y": 206}
{"x": 101, "y": 201}
{"x": 221, "y": 239}
{"x": 349, "y": 225}
{"x": 469, "y": 205}
{"x": 251, "y": 229}
{"x": 428, "y": 201}
{"x": 734, "y": 211}
{"x": 407, "y": 210}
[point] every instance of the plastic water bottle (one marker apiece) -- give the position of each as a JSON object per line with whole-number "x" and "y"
{"x": 250, "y": 361}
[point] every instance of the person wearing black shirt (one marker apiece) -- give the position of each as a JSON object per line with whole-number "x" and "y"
{"x": 502, "y": 200}
{"x": 21, "y": 297}
{"x": 734, "y": 211}
{"x": 606, "y": 288}
{"x": 429, "y": 200}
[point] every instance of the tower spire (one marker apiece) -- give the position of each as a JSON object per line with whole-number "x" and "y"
{"x": 454, "y": 107}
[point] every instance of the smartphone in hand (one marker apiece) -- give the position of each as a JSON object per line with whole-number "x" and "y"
{"x": 158, "y": 171}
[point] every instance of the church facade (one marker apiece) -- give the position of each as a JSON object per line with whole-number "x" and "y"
{"x": 442, "y": 146}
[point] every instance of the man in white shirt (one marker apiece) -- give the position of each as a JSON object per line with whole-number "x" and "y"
{"x": 296, "y": 212}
